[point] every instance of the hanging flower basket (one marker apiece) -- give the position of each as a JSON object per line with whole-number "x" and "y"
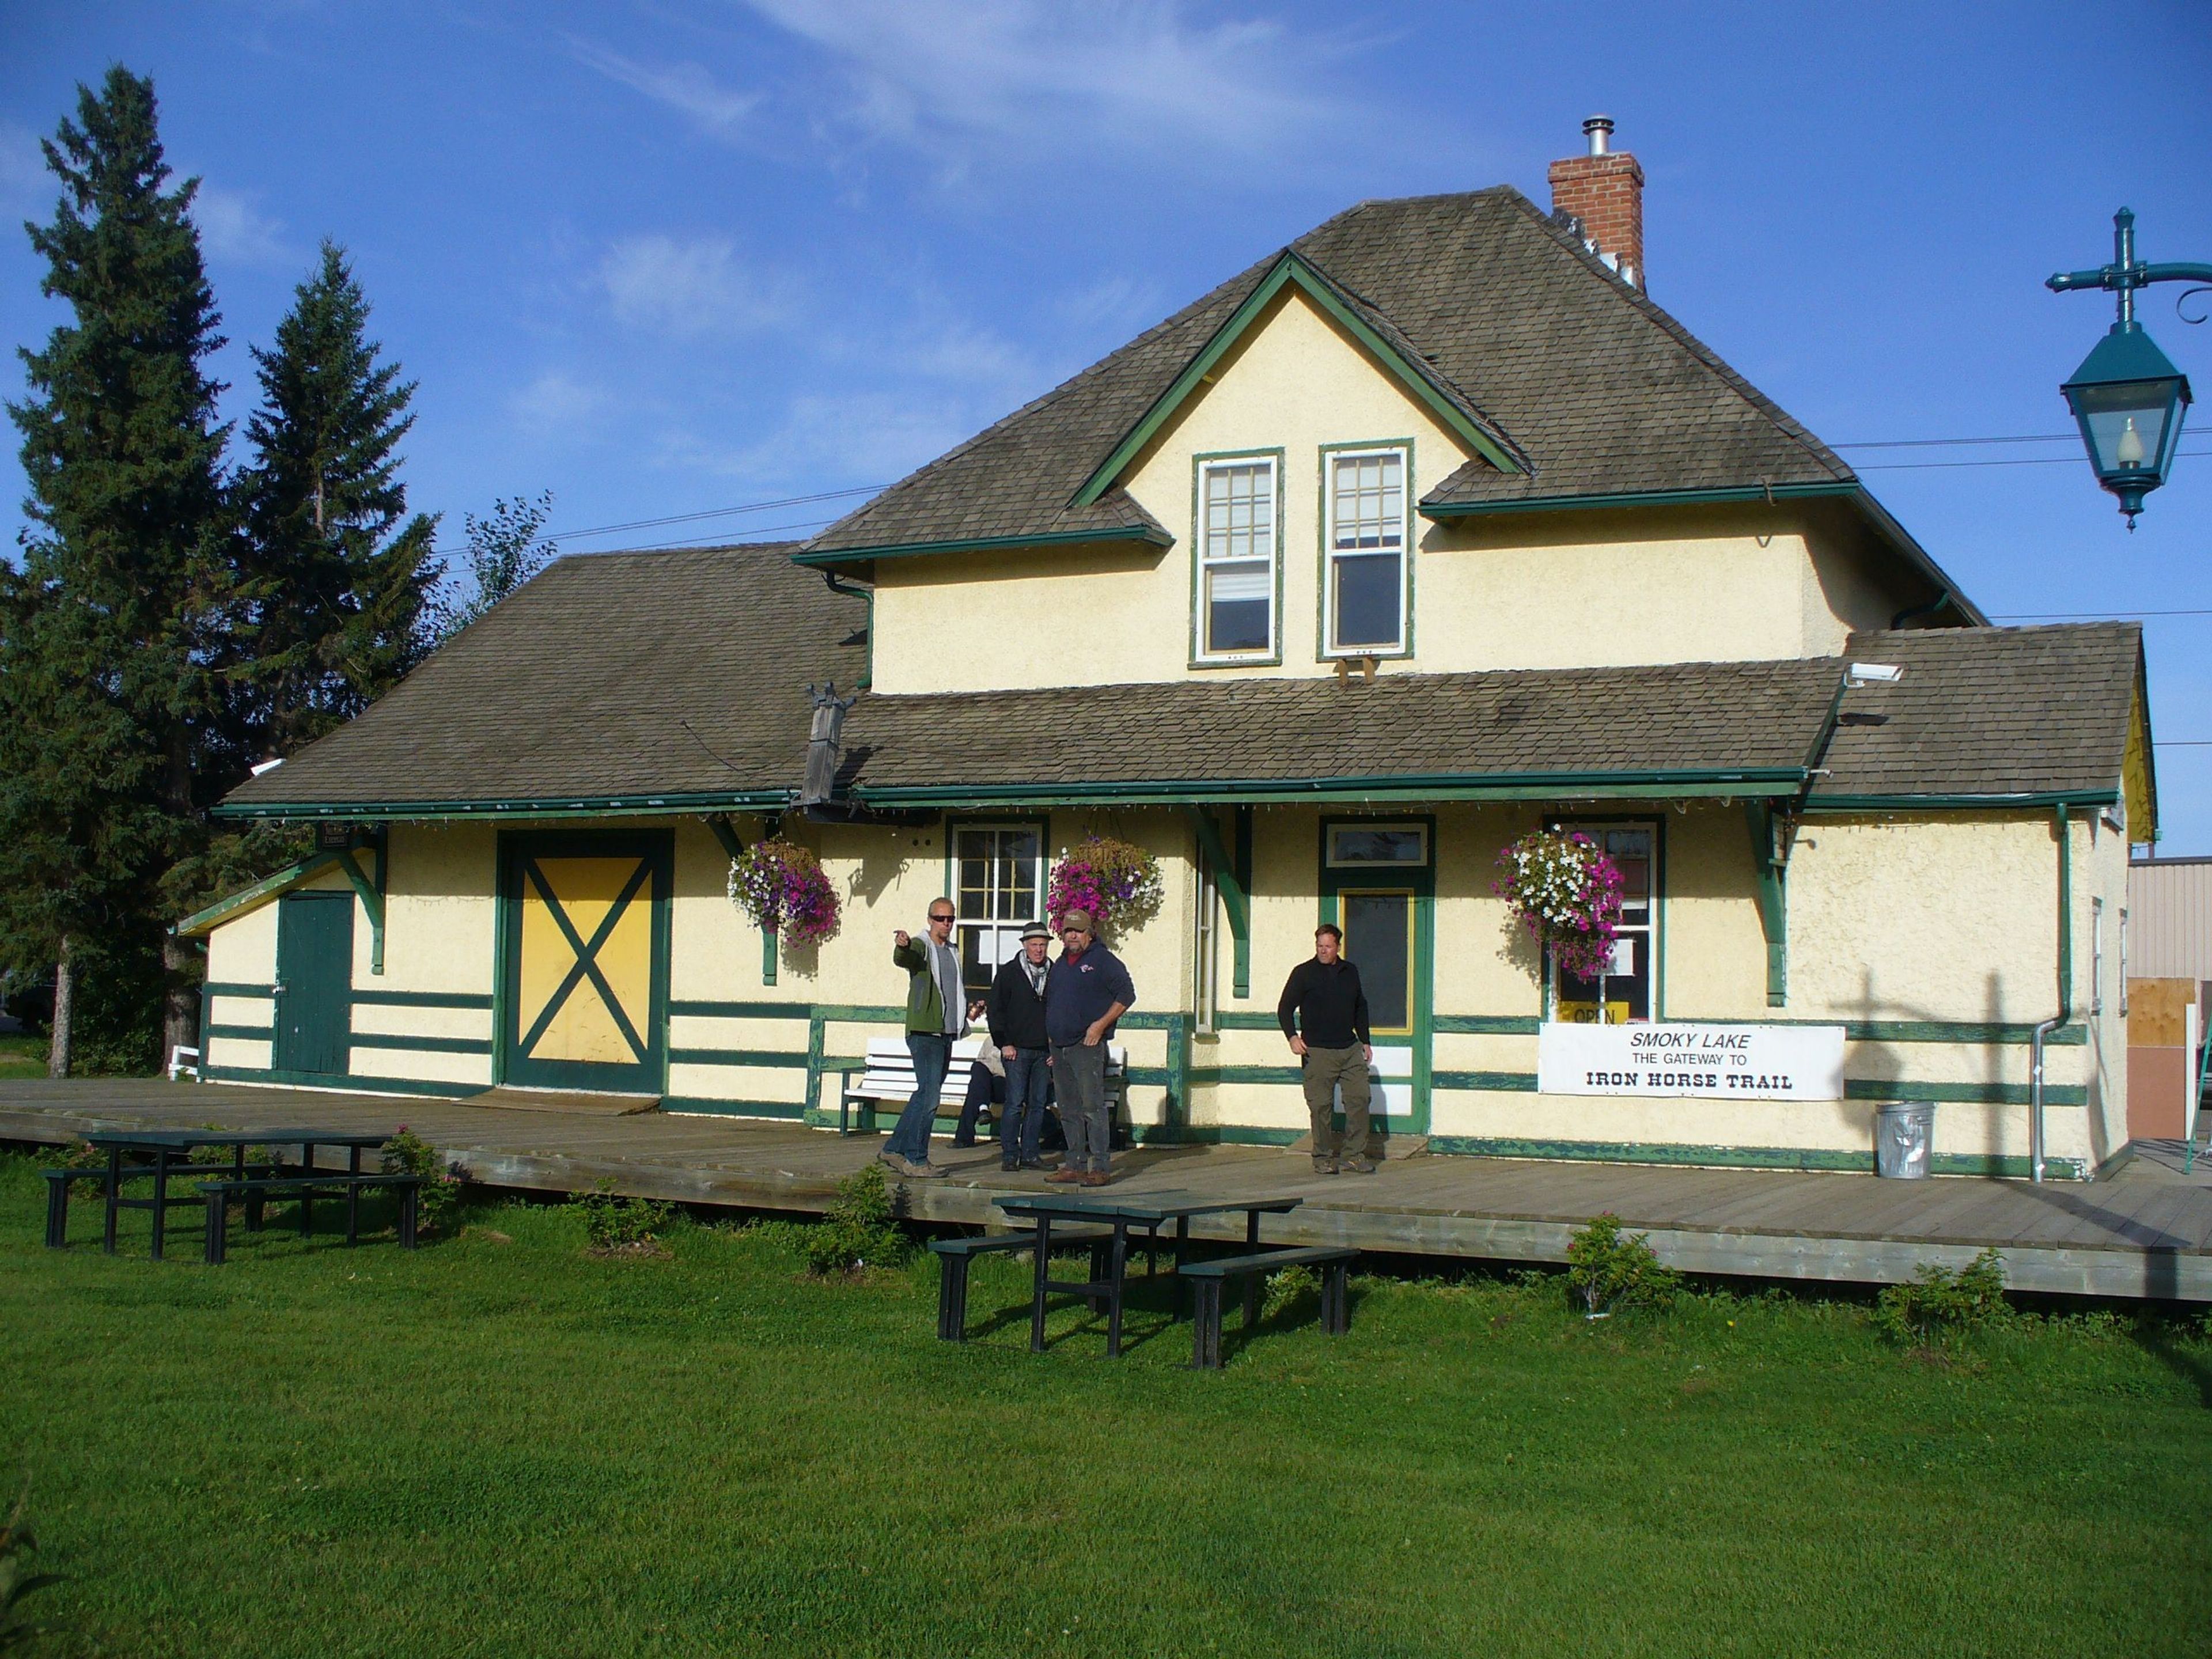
{"x": 782, "y": 887}
{"x": 1565, "y": 893}
{"x": 1115, "y": 883}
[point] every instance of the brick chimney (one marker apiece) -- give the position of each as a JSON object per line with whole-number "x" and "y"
{"x": 1602, "y": 194}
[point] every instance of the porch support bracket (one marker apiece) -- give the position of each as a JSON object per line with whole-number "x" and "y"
{"x": 725, "y": 833}
{"x": 1235, "y": 902}
{"x": 1773, "y": 899}
{"x": 371, "y": 894}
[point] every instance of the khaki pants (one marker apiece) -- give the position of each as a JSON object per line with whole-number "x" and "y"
{"x": 1324, "y": 1070}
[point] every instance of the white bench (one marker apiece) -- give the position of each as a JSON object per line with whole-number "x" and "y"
{"x": 886, "y": 1079}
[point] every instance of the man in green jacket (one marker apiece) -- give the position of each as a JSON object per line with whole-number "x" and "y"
{"x": 936, "y": 1018}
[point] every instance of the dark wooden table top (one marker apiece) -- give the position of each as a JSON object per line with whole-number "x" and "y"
{"x": 1143, "y": 1206}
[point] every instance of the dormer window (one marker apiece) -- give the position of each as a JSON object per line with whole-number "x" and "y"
{"x": 1364, "y": 587}
{"x": 1237, "y": 552}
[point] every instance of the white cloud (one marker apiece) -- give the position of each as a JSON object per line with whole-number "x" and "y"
{"x": 964, "y": 78}
{"x": 1119, "y": 301}
{"x": 233, "y": 229}
{"x": 693, "y": 287}
{"x": 688, "y": 89}
{"x": 869, "y": 438}
{"x": 556, "y": 404}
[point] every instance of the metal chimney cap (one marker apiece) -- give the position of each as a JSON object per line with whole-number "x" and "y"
{"x": 1599, "y": 131}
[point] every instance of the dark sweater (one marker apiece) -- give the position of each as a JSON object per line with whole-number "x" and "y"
{"x": 1081, "y": 990}
{"x": 1016, "y": 1012}
{"x": 1324, "y": 1005}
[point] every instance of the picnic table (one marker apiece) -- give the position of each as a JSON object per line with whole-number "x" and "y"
{"x": 1123, "y": 1213}
{"x": 168, "y": 1152}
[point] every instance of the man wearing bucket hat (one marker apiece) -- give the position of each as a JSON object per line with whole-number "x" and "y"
{"x": 1016, "y": 1015}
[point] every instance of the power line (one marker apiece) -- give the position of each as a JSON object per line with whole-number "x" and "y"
{"x": 2087, "y": 615}
{"x": 2037, "y": 461}
{"x": 1951, "y": 443}
{"x": 692, "y": 518}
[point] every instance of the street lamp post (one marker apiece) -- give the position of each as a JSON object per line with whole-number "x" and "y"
{"x": 2126, "y": 398}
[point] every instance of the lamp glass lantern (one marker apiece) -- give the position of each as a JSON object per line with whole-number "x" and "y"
{"x": 2129, "y": 402}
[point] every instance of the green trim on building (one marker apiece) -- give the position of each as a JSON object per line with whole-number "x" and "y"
{"x": 567, "y": 806}
{"x": 242, "y": 1033}
{"x": 433, "y": 1045}
{"x": 699, "y": 1010}
{"x": 1411, "y": 788}
{"x": 1133, "y": 532}
{"x": 1273, "y": 656}
{"x": 779, "y": 1057}
{"x": 251, "y": 898}
{"x": 1442, "y": 510}
{"x": 1235, "y": 902}
{"x": 1291, "y": 270}
{"x": 1332, "y": 882}
{"x": 1322, "y": 551}
{"x": 1832, "y": 803}
{"x": 227, "y": 988}
{"x": 1488, "y": 1025}
{"x": 383, "y": 999}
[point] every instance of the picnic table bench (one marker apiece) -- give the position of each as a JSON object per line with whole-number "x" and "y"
{"x": 954, "y": 1256}
{"x": 885, "y": 1080}
{"x": 1207, "y": 1278}
{"x": 167, "y": 1153}
{"x": 306, "y": 1188}
{"x": 1123, "y": 1213}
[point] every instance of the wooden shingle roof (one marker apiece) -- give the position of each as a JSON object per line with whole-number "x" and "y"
{"x": 661, "y": 680}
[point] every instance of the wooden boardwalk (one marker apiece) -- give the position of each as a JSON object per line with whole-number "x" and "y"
{"x": 2143, "y": 1232}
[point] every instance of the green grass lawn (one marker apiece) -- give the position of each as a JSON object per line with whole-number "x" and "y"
{"x": 503, "y": 1446}
{"x": 21, "y": 1055}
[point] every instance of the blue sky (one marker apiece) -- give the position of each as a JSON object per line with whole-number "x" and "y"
{"x": 664, "y": 258}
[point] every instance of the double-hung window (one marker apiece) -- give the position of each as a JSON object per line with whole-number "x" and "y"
{"x": 1363, "y": 598}
{"x": 1237, "y": 553}
{"x": 999, "y": 872}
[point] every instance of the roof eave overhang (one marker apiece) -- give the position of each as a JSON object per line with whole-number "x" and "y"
{"x": 2038, "y": 800}
{"x": 559, "y": 806}
{"x": 832, "y": 558}
{"x": 1734, "y": 783}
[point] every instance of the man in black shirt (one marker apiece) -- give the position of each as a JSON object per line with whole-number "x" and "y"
{"x": 1324, "y": 1015}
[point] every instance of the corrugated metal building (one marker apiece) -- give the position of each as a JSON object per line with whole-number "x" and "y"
{"x": 2170, "y": 919}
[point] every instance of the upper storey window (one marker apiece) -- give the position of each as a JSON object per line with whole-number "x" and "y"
{"x": 1363, "y": 603}
{"x": 1238, "y": 554}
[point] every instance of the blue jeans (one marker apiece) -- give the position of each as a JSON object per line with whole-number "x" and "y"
{"x": 931, "y": 1054}
{"x": 1028, "y": 1078}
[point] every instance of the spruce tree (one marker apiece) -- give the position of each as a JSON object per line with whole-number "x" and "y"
{"x": 338, "y": 580}
{"x": 113, "y": 632}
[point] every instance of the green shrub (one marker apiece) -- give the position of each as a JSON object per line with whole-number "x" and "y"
{"x": 1287, "y": 1285}
{"x": 1939, "y": 1306}
{"x": 612, "y": 1222}
{"x": 440, "y": 1195}
{"x": 857, "y": 1231}
{"x": 1608, "y": 1274}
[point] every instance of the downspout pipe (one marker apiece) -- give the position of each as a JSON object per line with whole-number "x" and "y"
{"x": 866, "y": 592}
{"x": 2045, "y": 1028}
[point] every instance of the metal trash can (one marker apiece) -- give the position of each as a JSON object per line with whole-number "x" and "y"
{"x": 1902, "y": 1132}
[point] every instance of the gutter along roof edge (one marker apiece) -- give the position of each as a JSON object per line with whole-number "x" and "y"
{"x": 1531, "y": 785}
{"x": 644, "y": 802}
{"x": 1134, "y": 532}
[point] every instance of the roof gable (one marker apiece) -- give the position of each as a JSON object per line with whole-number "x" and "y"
{"x": 1450, "y": 406}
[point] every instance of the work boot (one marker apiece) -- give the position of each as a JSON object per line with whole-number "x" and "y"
{"x": 1065, "y": 1178}
{"x": 1361, "y": 1166}
{"x": 1324, "y": 1166}
{"x": 914, "y": 1171}
{"x": 1097, "y": 1178}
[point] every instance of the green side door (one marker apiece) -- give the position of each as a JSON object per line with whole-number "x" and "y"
{"x": 314, "y": 983}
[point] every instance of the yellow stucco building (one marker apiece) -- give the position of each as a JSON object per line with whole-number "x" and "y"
{"x": 1427, "y": 531}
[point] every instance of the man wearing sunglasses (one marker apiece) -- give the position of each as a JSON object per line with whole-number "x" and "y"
{"x": 1086, "y": 992}
{"x": 936, "y": 1018}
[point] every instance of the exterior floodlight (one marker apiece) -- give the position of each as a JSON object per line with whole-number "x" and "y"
{"x": 2126, "y": 398}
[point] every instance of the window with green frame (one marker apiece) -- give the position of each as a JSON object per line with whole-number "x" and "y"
{"x": 1363, "y": 598}
{"x": 1236, "y": 553}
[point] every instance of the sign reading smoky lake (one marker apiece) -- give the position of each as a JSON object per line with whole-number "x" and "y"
{"x": 1719, "y": 1062}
